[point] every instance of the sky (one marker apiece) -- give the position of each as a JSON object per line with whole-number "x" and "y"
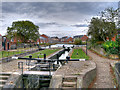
{"x": 53, "y": 18}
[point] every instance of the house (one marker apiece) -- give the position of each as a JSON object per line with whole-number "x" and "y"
{"x": 114, "y": 36}
{"x": 67, "y": 39}
{"x": 77, "y": 36}
{"x": 54, "y": 40}
{"x": 82, "y": 37}
{"x": 5, "y": 43}
{"x": 43, "y": 39}
{"x": 63, "y": 39}
{"x": 0, "y": 42}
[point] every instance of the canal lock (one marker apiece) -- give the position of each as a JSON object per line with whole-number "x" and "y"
{"x": 43, "y": 81}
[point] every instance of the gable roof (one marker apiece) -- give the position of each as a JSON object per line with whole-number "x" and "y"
{"x": 43, "y": 35}
{"x": 84, "y": 38}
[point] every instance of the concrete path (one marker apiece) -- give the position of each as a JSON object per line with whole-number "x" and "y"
{"x": 104, "y": 77}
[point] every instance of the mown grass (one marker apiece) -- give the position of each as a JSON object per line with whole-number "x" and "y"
{"x": 47, "y": 52}
{"x": 81, "y": 54}
{"x": 4, "y": 54}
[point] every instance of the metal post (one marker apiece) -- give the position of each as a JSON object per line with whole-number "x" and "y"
{"x": 49, "y": 69}
{"x": 20, "y": 66}
{"x": 77, "y": 51}
{"x": 30, "y": 57}
{"x": 86, "y": 47}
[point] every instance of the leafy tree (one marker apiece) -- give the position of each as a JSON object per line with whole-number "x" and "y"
{"x": 104, "y": 27}
{"x": 23, "y": 30}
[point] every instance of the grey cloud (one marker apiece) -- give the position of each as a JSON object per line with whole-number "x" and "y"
{"x": 52, "y": 15}
{"x": 48, "y": 24}
{"x": 80, "y": 25}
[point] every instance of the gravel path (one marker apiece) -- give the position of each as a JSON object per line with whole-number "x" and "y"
{"x": 104, "y": 77}
{"x": 11, "y": 66}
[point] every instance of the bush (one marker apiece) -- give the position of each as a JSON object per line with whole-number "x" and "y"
{"x": 110, "y": 47}
{"x": 78, "y": 42}
{"x": 113, "y": 50}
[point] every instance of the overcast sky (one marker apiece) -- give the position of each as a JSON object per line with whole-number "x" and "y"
{"x": 54, "y": 18}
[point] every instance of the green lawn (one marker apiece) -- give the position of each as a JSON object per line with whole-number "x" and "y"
{"x": 81, "y": 54}
{"x": 9, "y": 53}
{"x": 47, "y": 52}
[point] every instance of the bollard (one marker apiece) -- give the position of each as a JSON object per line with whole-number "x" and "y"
{"x": 44, "y": 57}
{"x": 57, "y": 58}
{"x": 53, "y": 67}
{"x": 63, "y": 46}
{"x": 73, "y": 46}
{"x": 67, "y": 58}
{"x": 30, "y": 56}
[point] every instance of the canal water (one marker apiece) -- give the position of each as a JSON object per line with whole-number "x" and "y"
{"x": 64, "y": 55}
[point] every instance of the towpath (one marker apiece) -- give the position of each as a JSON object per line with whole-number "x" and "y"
{"x": 104, "y": 77}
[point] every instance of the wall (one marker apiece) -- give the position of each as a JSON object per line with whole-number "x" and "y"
{"x": 117, "y": 73}
{"x": 84, "y": 79}
{"x": 99, "y": 50}
{"x": 54, "y": 56}
{"x": 14, "y": 81}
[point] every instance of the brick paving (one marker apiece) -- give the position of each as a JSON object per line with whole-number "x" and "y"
{"x": 12, "y": 66}
{"x": 104, "y": 77}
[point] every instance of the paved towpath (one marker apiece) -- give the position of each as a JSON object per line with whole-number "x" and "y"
{"x": 104, "y": 77}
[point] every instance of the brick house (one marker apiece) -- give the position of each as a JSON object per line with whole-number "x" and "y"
{"x": 9, "y": 43}
{"x": 82, "y": 37}
{"x": 0, "y": 42}
{"x": 114, "y": 37}
{"x": 54, "y": 40}
{"x": 67, "y": 39}
{"x": 5, "y": 43}
{"x": 43, "y": 39}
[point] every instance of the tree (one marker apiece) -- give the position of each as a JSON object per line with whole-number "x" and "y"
{"x": 104, "y": 27}
{"x": 78, "y": 42}
{"x": 23, "y": 30}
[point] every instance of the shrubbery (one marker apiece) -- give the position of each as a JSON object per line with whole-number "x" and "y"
{"x": 78, "y": 42}
{"x": 110, "y": 47}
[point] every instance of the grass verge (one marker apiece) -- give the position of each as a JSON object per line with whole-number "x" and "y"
{"x": 80, "y": 55}
{"x": 47, "y": 52}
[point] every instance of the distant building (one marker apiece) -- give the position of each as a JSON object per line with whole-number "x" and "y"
{"x": 66, "y": 39}
{"x": 0, "y": 42}
{"x": 5, "y": 43}
{"x": 43, "y": 39}
{"x": 77, "y": 36}
{"x": 54, "y": 40}
{"x": 82, "y": 37}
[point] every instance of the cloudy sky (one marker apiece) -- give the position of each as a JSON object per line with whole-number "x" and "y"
{"x": 53, "y": 18}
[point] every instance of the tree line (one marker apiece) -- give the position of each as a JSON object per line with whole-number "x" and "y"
{"x": 105, "y": 26}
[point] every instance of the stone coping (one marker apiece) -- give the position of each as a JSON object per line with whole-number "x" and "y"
{"x": 86, "y": 74}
